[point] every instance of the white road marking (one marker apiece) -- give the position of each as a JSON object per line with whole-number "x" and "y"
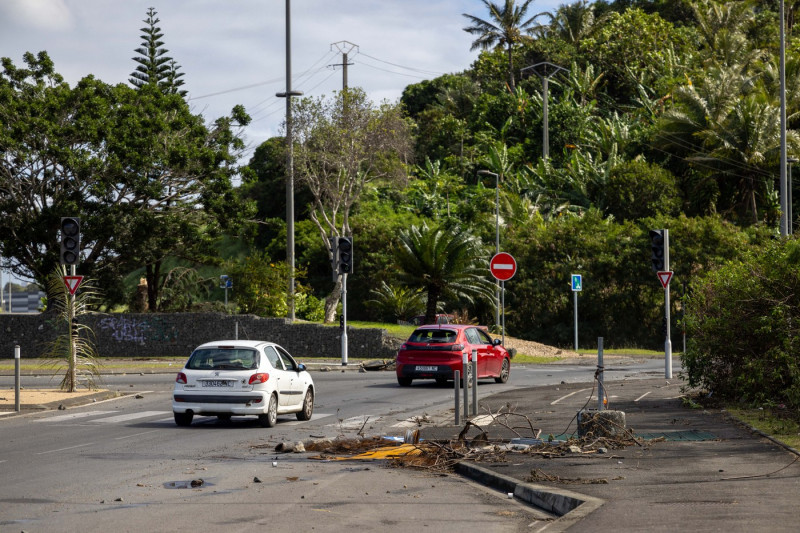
{"x": 129, "y": 416}
{"x": 67, "y": 448}
{"x": 567, "y": 396}
{"x": 642, "y": 396}
{"x": 135, "y": 435}
{"x": 73, "y": 416}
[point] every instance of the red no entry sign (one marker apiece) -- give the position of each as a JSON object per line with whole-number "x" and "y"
{"x": 503, "y": 266}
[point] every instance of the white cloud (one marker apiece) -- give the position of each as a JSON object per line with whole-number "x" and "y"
{"x": 50, "y": 15}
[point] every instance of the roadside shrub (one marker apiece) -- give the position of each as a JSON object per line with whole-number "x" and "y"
{"x": 743, "y": 330}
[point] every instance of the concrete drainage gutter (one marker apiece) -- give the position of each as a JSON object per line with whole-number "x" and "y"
{"x": 568, "y": 506}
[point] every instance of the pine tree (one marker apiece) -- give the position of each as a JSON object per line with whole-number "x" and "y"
{"x": 155, "y": 67}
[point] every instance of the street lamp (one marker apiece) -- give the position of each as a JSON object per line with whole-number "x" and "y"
{"x": 289, "y": 161}
{"x": 789, "y": 218}
{"x": 545, "y": 71}
{"x": 496, "y": 237}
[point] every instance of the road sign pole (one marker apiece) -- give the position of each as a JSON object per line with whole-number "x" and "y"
{"x": 577, "y": 286}
{"x": 503, "y": 307}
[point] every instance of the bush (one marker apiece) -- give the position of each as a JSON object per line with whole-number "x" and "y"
{"x": 742, "y": 324}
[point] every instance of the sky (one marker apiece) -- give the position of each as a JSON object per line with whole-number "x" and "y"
{"x": 233, "y": 52}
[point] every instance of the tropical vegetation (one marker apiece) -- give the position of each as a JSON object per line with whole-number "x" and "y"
{"x": 661, "y": 115}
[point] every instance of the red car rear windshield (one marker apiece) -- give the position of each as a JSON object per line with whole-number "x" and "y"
{"x": 443, "y": 336}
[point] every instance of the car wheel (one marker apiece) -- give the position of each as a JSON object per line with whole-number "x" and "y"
{"x": 308, "y": 406}
{"x": 404, "y": 382}
{"x": 184, "y": 419}
{"x": 505, "y": 370}
{"x": 270, "y": 418}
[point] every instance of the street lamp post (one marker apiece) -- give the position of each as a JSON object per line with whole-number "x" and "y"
{"x": 289, "y": 162}
{"x": 545, "y": 71}
{"x": 784, "y": 204}
{"x": 790, "y": 224}
{"x": 496, "y": 238}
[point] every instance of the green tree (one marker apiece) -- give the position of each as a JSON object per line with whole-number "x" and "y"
{"x": 148, "y": 178}
{"x": 506, "y": 27}
{"x": 155, "y": 67}
{"x": 343, "y": 145}
{"x": 448, "y": 264}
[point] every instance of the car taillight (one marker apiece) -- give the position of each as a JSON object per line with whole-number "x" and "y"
{"x": 261, "y": 377}
{"x": 403, "y": 347}
{"x": 181, "y": 378}
{"x": 456, "y": 347}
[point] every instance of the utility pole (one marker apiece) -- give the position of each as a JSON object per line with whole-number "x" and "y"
{"x": 545, "y": 71}
{"x": 289, "y": 162}
{"x": 344, "y": 48}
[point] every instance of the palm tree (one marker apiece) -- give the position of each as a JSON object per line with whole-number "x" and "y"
{"x": 571, "y": 23}
{"x": 446, "y": 263}
{"x": 505, "y": 28}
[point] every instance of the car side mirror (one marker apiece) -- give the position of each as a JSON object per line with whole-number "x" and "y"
{"x": 496, "y": 342}
{"x": 301, "y": 367}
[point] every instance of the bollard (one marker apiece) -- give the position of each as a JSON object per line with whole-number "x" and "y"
{"x": 456, "y": 379}
{"x": 474, "y": 386}
{"x": 16, "y": 379}
{"x": 601, "y": 391}
{"x": 465, "y": 384}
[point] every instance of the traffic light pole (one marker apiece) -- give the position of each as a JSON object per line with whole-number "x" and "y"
{"x": 344, "y": 320}
{"x": 668, "y": 341}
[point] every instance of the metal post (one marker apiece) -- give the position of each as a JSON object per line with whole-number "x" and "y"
{"x": 344, "y": 319}
{"x": 601, "y": 389}
{"x": 236, "y": 331}
{"x": 289, "y": 162}
{"x": 496, "y": 241}
{"x": 668, "y": 341}
{"x": 784, "y": 204}
{"x": 545, "y": 71}
{"x": 16, "y": 379}
{"x": 474, "y": 409}
{"x": 465, "y": 382}
{"x": 575, "y": 298}
{"x": 503, "y": 305}
{"x": 456, "y": 381}
{"x": 791, "y": 161}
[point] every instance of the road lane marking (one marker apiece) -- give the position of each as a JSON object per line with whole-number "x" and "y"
{"x": 642, "y": 396}
{"x": 567, "y": 396}
{"x": 127, "y": 417}
{"x": 298, "y": 422}
{"x": 73, "y": 416}
{"x": 135, "y": 435}
{"x": 67, "y": 448}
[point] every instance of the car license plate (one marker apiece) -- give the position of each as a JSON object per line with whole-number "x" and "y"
{"x": 427, "y": 368}
{"x": 217, "y": 383}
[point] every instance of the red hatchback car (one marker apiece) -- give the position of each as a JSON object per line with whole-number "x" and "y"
{"x": 435, "y": 352}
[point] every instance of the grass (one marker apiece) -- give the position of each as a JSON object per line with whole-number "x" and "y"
{"x": 776, "y": 423}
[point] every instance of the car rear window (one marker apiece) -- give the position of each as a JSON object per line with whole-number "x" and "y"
{"x": 223, "y": 359}
{"x": 443, "y": 336}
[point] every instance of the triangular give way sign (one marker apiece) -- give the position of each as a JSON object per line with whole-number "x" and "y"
{"x": 72, "y": 283}
{"x": 664, "y": 278}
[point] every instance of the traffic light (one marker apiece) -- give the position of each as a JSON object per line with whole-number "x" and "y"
{"x": 657, "y": 246}
{"x": 70, "y": 240}
{"x": 344, "y": 255}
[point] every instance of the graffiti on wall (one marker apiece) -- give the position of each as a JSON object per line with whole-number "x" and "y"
{"x": 139, "y": 330}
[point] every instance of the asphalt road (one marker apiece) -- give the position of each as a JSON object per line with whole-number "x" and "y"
{"x": 123, "y": 465}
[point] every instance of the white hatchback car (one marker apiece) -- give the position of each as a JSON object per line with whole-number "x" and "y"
{"x": 234, "y": 378}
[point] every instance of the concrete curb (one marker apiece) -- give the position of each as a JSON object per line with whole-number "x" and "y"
{"x": 570, "y": 507}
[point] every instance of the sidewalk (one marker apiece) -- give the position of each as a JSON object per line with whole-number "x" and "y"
{"x": 697, "y": 470}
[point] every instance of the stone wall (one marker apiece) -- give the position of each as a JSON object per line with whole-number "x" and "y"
{"x": 176, "y": 334}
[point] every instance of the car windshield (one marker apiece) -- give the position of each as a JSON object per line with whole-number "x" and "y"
{"x": 444, "y": 336}
{"x": 223, "y": 359}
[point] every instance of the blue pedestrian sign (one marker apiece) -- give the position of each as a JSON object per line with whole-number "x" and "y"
{"x": 577, "y": 284}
